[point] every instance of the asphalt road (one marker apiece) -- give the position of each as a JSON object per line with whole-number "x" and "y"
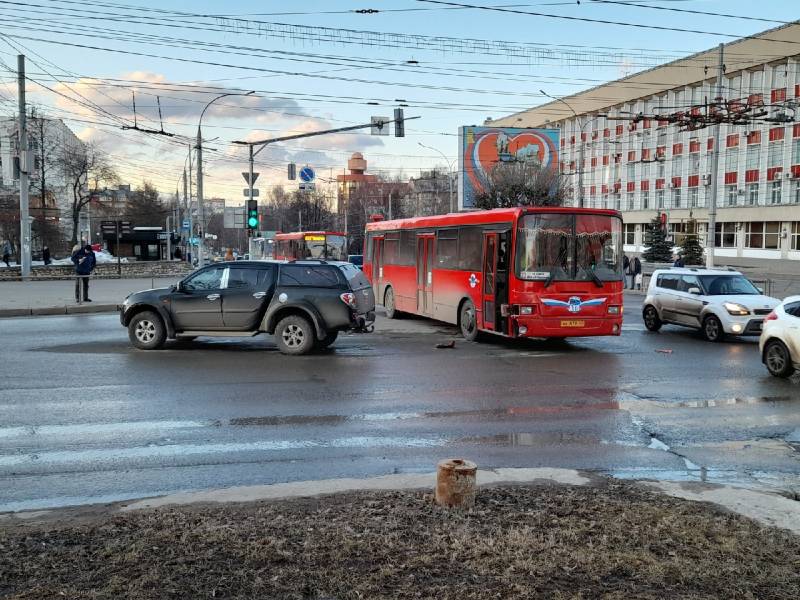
{"x": 86, "y": 418}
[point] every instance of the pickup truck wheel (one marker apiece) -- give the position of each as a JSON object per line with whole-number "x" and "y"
{"x": 295, "y": 335}
{"x": 146, "y": 331}
{"x": 327, "y": 340}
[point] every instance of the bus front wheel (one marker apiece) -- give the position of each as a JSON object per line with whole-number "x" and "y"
{"x": 468, "y": 321}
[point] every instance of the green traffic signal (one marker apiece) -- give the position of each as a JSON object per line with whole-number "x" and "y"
{"x": 252, "y": 214}
{"x": 252, "y": 222}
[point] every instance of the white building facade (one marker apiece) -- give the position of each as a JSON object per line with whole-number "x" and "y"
{"x": 647, "y": 166}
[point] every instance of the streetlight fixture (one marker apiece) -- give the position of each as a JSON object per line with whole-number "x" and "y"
{"x": 200, "y": 212}
{"x": 580, "y": 148}
{"x": 449, "y": 172}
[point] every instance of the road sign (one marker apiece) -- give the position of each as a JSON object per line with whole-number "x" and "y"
{"x": 233, "y": 217}
{"x": 308, "y": 187}
{"x": 380, "y": 125}
{"x": 193, "y": 241}
{"x": 246, "y": 176}
{"x": 186, "y": 223}
{"x": 163, "y": 235}
{"x": 247, "y": 192}
{"x": 307, "y": 174}
{"x": 124, "y": 226}
{"x": 108, "y": 225}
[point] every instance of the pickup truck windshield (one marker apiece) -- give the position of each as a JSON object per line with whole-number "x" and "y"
{"x": 565, "y": 247}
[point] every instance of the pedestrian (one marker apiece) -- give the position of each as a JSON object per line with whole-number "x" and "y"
{"x": 178, "y": 253}
{"x": 7, "y": 250}
{"x": 46, "y": 255}
{"x": 626, "y": 268}
{"x": 679, "y": 261}
{"x": 85, "y": 262}
{"x": 636, "y": 271}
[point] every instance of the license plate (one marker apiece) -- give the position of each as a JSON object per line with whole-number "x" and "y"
{"x": 573, "y": 323}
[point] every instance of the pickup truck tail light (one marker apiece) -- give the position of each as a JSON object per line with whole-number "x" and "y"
{"x": 349, "y": 298}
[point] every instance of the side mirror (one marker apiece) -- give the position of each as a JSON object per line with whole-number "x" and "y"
{"x": 179, "y": 287}
{"x": 695, "y": 290}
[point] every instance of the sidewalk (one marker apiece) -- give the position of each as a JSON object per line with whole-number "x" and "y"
{"x": 22, "y": 298}
{"x": 533, "y": 533}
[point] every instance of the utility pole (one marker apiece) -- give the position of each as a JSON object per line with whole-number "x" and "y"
{"x": 186, "y": 204}
{"x": 191, "y": 213}
{"x": 580, "y": 162}
{"x": 200, "y": 213}
{"x": 24, "y": 165}
{"x": 712, "y": 207}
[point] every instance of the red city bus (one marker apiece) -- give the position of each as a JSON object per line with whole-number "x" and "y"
{"x": 517, "y": 272}
{"x": 327, "y": 245}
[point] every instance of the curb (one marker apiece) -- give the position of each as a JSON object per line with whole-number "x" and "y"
{"x": 70, "y": 309}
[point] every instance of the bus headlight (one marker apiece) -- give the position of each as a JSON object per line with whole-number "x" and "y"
{"x": 614, "y": 310}
{"x": 526, "y": 310}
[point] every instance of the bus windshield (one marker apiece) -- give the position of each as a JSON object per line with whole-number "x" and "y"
{"x": 569, "y": 247}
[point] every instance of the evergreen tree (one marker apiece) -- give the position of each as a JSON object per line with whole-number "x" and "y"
{"x": 691, "y": 249}
{"x": 658, "y": 249}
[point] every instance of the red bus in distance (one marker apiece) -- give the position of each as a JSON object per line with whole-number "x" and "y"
{"x": 517, "y": 272}
{"x": 326, "y": 245}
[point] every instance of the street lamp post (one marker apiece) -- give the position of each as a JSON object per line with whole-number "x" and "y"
{"x": 200, "y": 211}
{"x": 449, "y": 172}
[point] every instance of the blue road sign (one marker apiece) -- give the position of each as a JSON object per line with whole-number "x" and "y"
{"x": 186, "y": 223}
{"x": 307, "y": 174}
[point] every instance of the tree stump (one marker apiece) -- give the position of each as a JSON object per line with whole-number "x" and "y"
{"x": 455, "y": 483}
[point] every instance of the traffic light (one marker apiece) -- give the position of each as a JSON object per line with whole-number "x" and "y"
{"x": 252, "y": 214}
{"x": 399, "y": 124}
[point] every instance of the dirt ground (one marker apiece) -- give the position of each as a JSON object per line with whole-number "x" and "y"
{"x": 612, "y": 540}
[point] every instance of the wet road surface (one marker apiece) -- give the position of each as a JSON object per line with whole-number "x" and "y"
{"x": 86, "y": 418}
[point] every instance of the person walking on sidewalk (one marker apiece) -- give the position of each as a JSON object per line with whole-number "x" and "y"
{"x": 85, "y": 262}
{"x": 46, "y": 256}
{"x": 7, "y": 250}
{"x": 636, "y": 272}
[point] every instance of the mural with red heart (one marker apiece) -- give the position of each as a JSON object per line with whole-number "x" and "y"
{"x": 484, "y": 147}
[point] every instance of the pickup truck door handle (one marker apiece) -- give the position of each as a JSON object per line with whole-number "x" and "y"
{"x": 212, "y": 297}
{"x": 259, "y": 294}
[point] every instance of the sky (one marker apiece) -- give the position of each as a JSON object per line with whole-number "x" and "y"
{"x": 319, "y": 65}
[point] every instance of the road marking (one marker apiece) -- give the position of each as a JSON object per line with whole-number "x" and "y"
{"x": 87, "y": 429}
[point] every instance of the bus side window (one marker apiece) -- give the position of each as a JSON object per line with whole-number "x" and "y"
{"x": 447, "y": 248}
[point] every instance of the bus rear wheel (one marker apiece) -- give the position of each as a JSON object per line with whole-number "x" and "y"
{"x": 468, "y": 321}
{"x": 388, "y": 304}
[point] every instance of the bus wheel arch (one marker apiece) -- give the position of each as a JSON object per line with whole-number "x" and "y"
{"x": 468, "y": 319}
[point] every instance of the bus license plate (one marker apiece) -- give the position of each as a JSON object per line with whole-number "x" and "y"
{"x": 573, "y": 323}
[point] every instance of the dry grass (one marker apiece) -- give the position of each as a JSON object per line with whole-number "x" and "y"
{"x": 616, "y": 540}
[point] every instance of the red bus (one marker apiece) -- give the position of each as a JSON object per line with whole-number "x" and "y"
{"x": 517, "y": 272}
{"x": 327, "y": 245}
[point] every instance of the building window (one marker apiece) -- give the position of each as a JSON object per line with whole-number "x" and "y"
{"x": 775, "y": 192}
{"x": 676, "y": 198}
{"x": 753, "y": 156}
{"x": 630, "y": 200}
{"x": 617, "y": 202}
{"x": 797, "y": 190}
{"x": 661, "y": 170}
{"x": 725, "y": 235}
{"x": 796, "y": 235}
{"x": 796, "y": 151}
{"x": 630, "y": 233}
{"x": 694, "y": 164}
{"x": 646, "y": 198}
{"x": 764, "y": 236}
{"x": 677, "y": 165}
{"x": 775, "y": 154}
{"x": 631, "y": 171}
{"x": 659, "y": 198}
{"x": 752, "y": 194}
{"x": 732, "y": 160}
{"x": 694, "y": 195}
{"x": 731, "y": 193}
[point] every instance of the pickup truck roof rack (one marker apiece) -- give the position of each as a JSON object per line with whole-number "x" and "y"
{"x": 314, "y": 260}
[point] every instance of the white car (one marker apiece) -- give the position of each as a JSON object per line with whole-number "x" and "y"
{"x": 717, "y": 302}
{"x": 780, "y": 339}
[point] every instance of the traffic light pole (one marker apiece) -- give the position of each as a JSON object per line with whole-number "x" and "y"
{"x": 250, "y": 184}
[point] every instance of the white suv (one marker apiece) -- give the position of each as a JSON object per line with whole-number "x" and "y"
{"x": 716, "y": 302}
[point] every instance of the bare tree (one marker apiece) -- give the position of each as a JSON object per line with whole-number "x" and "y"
{"x": 82, "y": 166}
{"x": 145, "y": 209}
{"x": 523, "y": 184}
{"x": 46, "y": 149}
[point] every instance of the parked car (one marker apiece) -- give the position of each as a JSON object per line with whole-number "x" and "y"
{"x": 780, "y": 339}
{"x": 356, "y": 259}
{"x": 716, "y": 302}
{"x": 304, "y": 304}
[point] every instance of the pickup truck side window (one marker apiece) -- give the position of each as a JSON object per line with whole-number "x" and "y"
{"x": 240, "y": 278}
{"x": 312, "y": 276}
{"x": 208, "y": 279}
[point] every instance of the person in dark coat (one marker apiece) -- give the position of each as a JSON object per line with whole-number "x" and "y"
{"x": 85, "y": 262}
{"x": 679, "y": 261}
{"x": 7, "y": 250}
{"x": 626, "y": 268}
{"x": 636, "y": 269}
{"x": 46, "y": 255}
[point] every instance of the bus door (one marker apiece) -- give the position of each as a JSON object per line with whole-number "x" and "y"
{"x": 377, "y": 266}
{"x": 489, "y": 288}
{"x": 425, "y": 274}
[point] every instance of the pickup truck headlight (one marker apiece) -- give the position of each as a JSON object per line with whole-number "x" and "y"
{"x": 736, "y": 309}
